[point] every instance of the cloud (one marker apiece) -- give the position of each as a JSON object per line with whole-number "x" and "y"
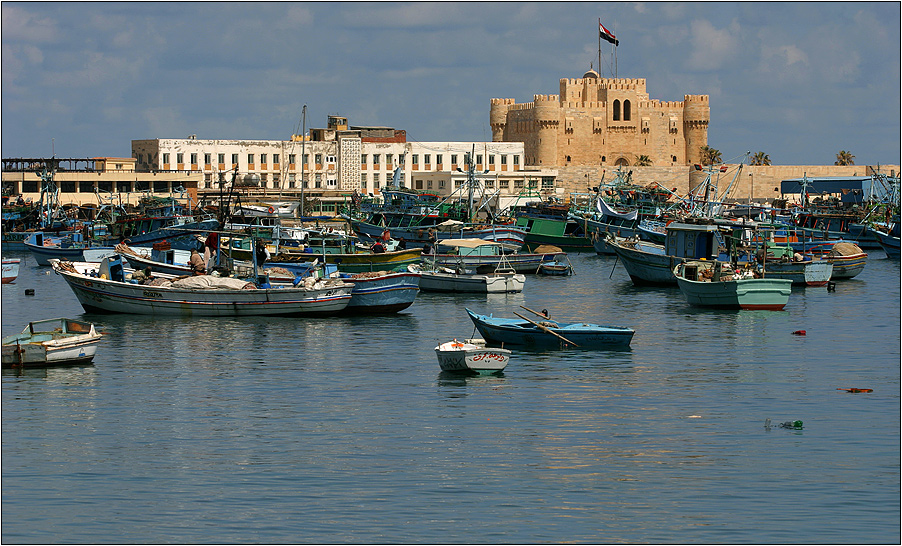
{"x": 712, "y": 48}
{"x": 25, "y": 26}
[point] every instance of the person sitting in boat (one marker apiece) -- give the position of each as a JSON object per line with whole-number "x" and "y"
{"x": 262, "y": 254}
{"x": 211, "y": 246}
{"x": 402, "y": 244}
{"x": 142, "y": 276}
{"x": 378, "y": 247}
{"x": 197, "y": 264}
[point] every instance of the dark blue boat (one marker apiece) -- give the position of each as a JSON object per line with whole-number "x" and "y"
{"x": 547, "y": 334}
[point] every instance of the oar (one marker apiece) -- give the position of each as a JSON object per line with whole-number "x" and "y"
{"x": 546, "y": 329}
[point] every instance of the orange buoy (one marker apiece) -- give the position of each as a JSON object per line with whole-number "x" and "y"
{"x": 856, "y": 390}
{"x": 799, "y": 333}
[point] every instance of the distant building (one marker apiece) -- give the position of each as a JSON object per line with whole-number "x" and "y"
{"x": 597, "y": 121}
{"x": 82, "y": 181}
{"x": 341, "y": 159}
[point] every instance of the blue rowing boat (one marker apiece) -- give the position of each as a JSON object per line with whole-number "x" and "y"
{"x": 546, "y": 333}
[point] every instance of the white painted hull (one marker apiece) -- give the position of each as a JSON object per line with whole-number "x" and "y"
{"x": 455, "y": 356}
{"x": 40, "y": 344}
{"x": 811, "y": 273}
{"x": 102, "y": 295}
{"x": 481, "y": 284}
{"x": 10, "y": 270}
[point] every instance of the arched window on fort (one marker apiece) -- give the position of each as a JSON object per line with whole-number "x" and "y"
{"x": 622, "y": 162}
{"x": 616, "y": 110}
{"x": 626, "y": 110}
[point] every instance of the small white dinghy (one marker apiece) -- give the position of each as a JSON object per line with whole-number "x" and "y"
{"x": 471, "y": 355}
{"x": 51, "y": 342}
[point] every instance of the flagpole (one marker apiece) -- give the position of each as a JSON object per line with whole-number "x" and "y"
{"x": 600, "y": 73}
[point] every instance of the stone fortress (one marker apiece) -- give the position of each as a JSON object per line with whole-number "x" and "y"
{"x": 603, "y": 121}
{"x": 596, "y": 125}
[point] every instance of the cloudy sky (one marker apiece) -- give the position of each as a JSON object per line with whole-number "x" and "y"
{"x": 798, "y": 81}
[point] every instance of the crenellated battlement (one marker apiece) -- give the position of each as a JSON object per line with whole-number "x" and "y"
{"x": 546, "y": 98}
{"x": 696, "y": 98}
{"x": 502, "y": 102}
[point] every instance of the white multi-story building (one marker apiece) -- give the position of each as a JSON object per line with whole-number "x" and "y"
{"x": 338, "y": 160}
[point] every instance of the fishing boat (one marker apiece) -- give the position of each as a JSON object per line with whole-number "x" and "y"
{"x": 10, "y": 269}
{"x": 548, "y": 334}
{"x": 889, "y": 240}
{"x": 471, "y": 355}
{"x": 160, "y": 259}
{"x": 848, "y": 260}
{"x": 45, "y": 247}
{"x": 716, "y": 284}
{"x": 51, "y": 342}
{"x": 652, "y": 264}
{"x": 808, "y": 272}
{"x": 555, "y": 268}
{"x": 106, "y": 288}
{"x": 380, "y": 292}
{"x": 486, "y": 256}
{"x": 447, "y": 279}
{"x": 547, "y": 223}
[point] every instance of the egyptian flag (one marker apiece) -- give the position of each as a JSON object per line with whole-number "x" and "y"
{"x": 607, "y": 35}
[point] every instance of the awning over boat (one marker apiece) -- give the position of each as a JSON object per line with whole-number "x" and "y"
{"x": 853, "y": 189}
{"x": 467, "y": 243}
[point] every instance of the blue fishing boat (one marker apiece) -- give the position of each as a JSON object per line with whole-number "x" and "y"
{"x": 548, "y": 334}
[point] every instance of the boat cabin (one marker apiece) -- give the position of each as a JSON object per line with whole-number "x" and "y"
{"x": 695, "y": 241}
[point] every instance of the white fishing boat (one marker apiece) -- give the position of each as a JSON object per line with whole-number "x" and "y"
{"x": 107, "y": 287}
{"x": 51, "y": 342}
{"x": 447, "y": 279}
{"x": 471, "y": 355}
{"x": 10, "y": 269}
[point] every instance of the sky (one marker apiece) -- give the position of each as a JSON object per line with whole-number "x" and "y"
{"x": 799, "y": 81}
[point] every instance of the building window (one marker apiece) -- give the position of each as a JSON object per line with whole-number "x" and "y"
{"x": 207, "y": 158}
{"x": 363, "y": 180}
{"x": 489, "y": 183}
{"x": 626, "y": 110}
{"x": 518, "y": 184}
{"x": 330, "y": 159}
{"x": 479, "y": 159}
{"x": 220, "y": 158}
{"x": 428, "y": 159}
{"x": 415, "y": 158}
{"x": 65, "y": 187}
{"x": 161, "y": 186}
{"x": 263, "y": 159}
{"x": 376, "y": 159}
{"x": 363, "y": 159}
{"x": 441, "y": 184}
{"x": 419, "y": 184}
{"x": 505, "y": 183}
{"x": 504, "y": 160}
{"x": 291, "y": 158}
{"x": 454, "y": 159}
{"x": 275, "y": 158}
{"x": 492, "y": 159}
{"x": 250, "y": 159}
{"x": 516, "y": 160}
{"x": 194, "y": 159}
{"x": 438, "y": 159}
{"x": 86, "y": 187}
{"x": 179, "y": 158}
{"x": 616, "y": 110}
{"x": 547, "y": 182}
{"x": 234, "y": 159}
{"x": 165, "y": 158}
{"x": 123, "y": 186}
{"x": 318, "y": 158}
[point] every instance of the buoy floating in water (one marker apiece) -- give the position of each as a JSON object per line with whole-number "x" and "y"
{"x": 799, "y": 333}
{"x": 856, "y": 390}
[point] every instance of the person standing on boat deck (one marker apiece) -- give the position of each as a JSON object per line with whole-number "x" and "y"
{"x": 262, "y": 256}
{"x": 211, "y": 246}
{"x": 198, "y": 266}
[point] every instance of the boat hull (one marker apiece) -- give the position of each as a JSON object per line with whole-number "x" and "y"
{"x": 810, "y": 273}
{"x": 889, "y": 243}
{"x": 108, "y": 296}
{"x": 467, "y": 357}
{"x": 515, "y": 332}
{"x": 847, "y": 267}
{"x": 387, "y": 293}
{"x": 10, "y": 270}
{"x": 438, "y": 281}
{"x": 41, "y": 345}
{"x": 646, "y": 263}
{"x": 763, "y": 293}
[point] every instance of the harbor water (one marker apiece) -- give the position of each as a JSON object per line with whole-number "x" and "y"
{"x": 344, "y": 430}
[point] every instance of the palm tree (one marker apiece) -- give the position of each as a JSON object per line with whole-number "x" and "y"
{"x": 844, "y": 158}
{"x": 710, "y": 155}
{"x": 643, "y": 161}
{"x": 760, "y": 158}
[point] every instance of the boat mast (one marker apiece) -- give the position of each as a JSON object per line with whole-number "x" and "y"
{"x": 303, "y": 156}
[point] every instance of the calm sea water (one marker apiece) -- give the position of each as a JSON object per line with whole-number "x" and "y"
{"x": 343, "y": 430}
